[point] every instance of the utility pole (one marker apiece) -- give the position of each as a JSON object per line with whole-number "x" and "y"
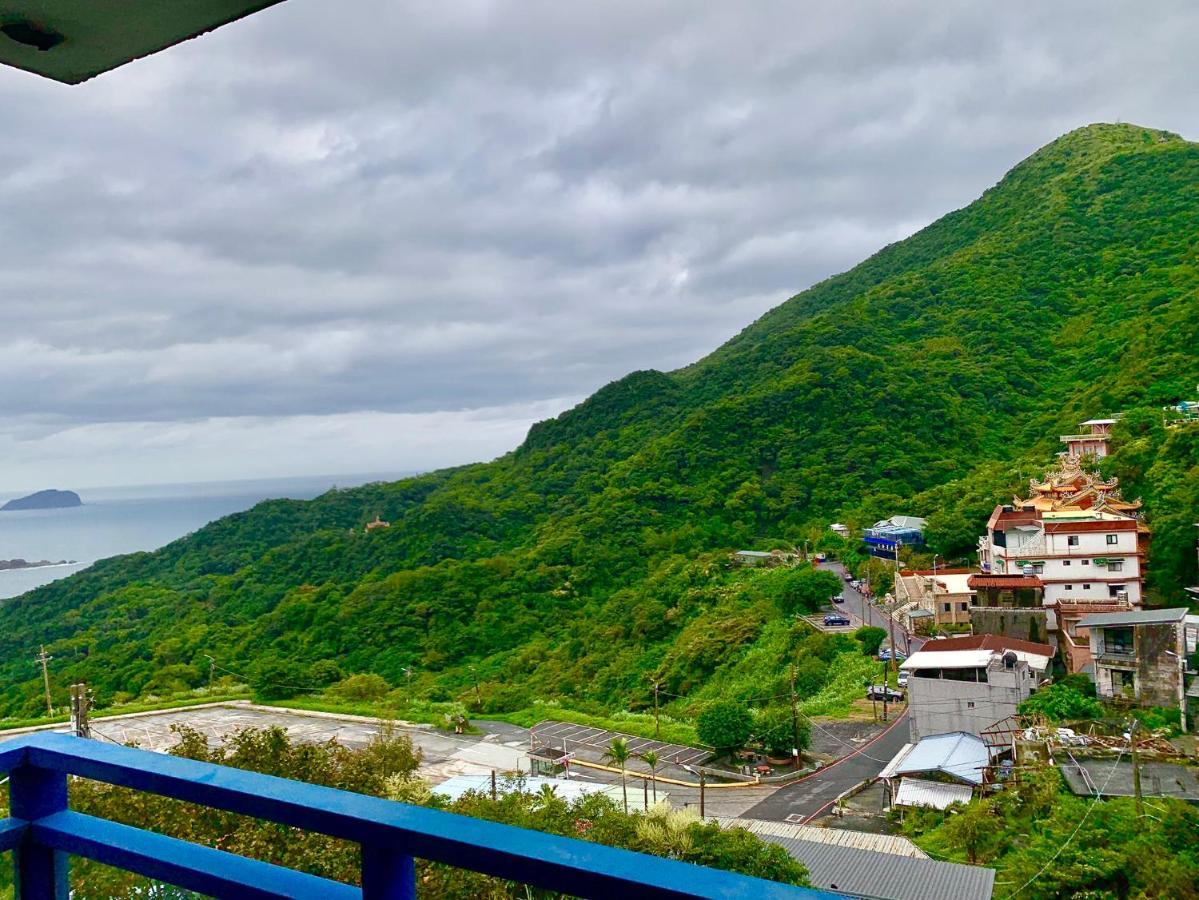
{"x": 211, "y": 671}
{"x": 891, "y": 612}
{"x": 1136, "y": 765}
{"x": 657, "y": 729}
{"x": 885, "y": 692}
{"x": 478, "y": 693}
{"x": 81, "y": 706}
{"x": 795, "y": 754}
{"x": 702, "y": 783}
{"x": 44, "y": 659}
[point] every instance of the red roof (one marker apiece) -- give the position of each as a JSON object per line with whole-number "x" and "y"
{"x": 1004, "y": 581}
{"x": 987, "y": 642}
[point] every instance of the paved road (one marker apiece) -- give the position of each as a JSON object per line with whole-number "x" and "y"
{"x": 811, "y": 798}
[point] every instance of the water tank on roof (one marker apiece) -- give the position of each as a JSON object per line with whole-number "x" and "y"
{"x": 1009, "y": 660}
{"x": 1027, "y": 571}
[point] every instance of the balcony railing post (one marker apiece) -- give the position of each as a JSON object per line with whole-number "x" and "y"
{"x": 387, "y": 875}
{"x": 40, "y": 870}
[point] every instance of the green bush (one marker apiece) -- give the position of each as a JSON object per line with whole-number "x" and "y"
{"x": 1062, "y": 702}
{"x": 364, "y": 686}
{"x": 725, "y": 725}
{"x": 871, "y": 638}
{"x": 775, "y": 730}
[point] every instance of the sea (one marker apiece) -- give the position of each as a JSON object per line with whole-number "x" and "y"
{"x": 118, "y": 520}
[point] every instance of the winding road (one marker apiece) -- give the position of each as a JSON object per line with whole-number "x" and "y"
{"x": 808, "y": 799}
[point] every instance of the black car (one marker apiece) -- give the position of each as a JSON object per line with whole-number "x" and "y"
{"x": 840, "y": 598}
{"x": 879, "y": 692}
{"x": 835, "y": 619}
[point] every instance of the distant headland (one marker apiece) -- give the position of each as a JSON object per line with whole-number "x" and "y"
{"x": 7, "y": 564}
{"x": 44, "y": 500}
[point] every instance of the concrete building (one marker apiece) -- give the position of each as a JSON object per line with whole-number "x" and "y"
{"x": 884, "y": 537}
{"x": 944, "y": 594}
{"x": 968, "y": 684}
{"x": 1083, "y": 542}
{"x": 1092, "y": 441}
{"x": 839, "y": 529}
{"x": 1141, "y": 655}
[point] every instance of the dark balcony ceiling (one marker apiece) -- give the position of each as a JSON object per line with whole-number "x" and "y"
{"x": 74, "y": 40}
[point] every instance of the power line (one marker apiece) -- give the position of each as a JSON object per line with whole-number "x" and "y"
{"x": 1077, "y": 828}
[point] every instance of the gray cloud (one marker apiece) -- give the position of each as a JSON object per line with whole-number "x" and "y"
{"x": 420, "y": 209}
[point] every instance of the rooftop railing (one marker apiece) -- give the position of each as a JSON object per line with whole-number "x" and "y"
{"x": 43, "y": 832}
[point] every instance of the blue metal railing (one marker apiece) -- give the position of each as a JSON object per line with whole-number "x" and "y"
{"x": 43, "y": 833}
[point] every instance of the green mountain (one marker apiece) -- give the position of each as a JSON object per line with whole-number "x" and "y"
{"x": 931, "y": 379}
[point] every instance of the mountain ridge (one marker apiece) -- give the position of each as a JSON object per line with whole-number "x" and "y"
{"x": 931, "y": 378}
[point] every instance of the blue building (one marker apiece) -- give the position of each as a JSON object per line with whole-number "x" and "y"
{"x": 883, "y": 537}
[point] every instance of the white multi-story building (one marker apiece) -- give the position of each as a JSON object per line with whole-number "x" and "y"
{"x": 1080, "y": 556}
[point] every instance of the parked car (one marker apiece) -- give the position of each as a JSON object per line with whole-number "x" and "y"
{"x": 885, "y": 654}
{"x": 903, "y": 678}
{"x": 847, "y": 576}
{"x": 836, "y": 619}
{"x": 881, "y": 692}
{"x": 840, "y": 598}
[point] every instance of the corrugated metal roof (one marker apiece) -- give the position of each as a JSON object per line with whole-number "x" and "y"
{"x": 842, "y": 837}
{"x": 934, "y": 794}
{"x": 885, "y": 876}
{"x": 949, "y": 659}
{"x": 958, "y": 754}
{"x": 1135, "y": 617}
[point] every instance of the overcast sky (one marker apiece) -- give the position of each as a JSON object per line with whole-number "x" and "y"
{"x": 386, "y": 235}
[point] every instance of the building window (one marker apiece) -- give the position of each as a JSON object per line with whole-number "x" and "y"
{"x": 963, "y": 606}
{"x": 1039, "y": 568}
{"x": 1065, "y": 562}
{"x": 945, "y": 607}
{"x": 1072, "y": 540}
{"x": 1069, "y": 587}
{"x": 1114, "y": 590}
{"x": 1115, "y": 565}
{"x": 1118, "y": 640}
{"x": 1113, "y": 539}
{"x": 969, "y": 704}
{"x": 1086, "y": 587}
{"x": 1085, "y": 562}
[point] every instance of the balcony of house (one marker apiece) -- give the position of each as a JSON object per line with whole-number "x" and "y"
{"x": 43, "y": 833}
{"x": 1116, "y": 647}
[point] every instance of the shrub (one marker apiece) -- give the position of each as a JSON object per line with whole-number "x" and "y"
{"x": 871, "y": 638}
{"x": 725, "y": 725}
{"x": 364, "y": 686}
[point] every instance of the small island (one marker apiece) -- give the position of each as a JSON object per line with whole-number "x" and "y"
{"x": 50, "y": 499}
{"x": 8, "y": 564}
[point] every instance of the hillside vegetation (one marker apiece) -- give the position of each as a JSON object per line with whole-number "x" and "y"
{"x": 931, "y": 379}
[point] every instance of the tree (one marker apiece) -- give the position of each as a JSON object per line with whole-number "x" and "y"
{"x": 618, "y": 754}
{"x": 650, "y": 758}
{"x": 871, "y": 638}
{"x": 725, "y": 725}
{"x": 803, "y": 589}
{"x": 973, "y": 828}
{"x": 776, "y": 730}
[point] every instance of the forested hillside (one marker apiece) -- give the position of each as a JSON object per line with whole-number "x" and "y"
{"x": 931, "y": 379}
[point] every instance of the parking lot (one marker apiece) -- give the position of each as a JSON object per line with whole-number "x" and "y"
{"x": 593, "y": 745}
{"x": 503, "y": 748}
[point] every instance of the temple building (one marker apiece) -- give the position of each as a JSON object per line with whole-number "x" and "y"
{"x": 1079, "y": 540}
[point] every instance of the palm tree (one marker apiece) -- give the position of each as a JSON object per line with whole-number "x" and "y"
{"x": 618, "y": 754}
{"x": 651, "y": 759}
